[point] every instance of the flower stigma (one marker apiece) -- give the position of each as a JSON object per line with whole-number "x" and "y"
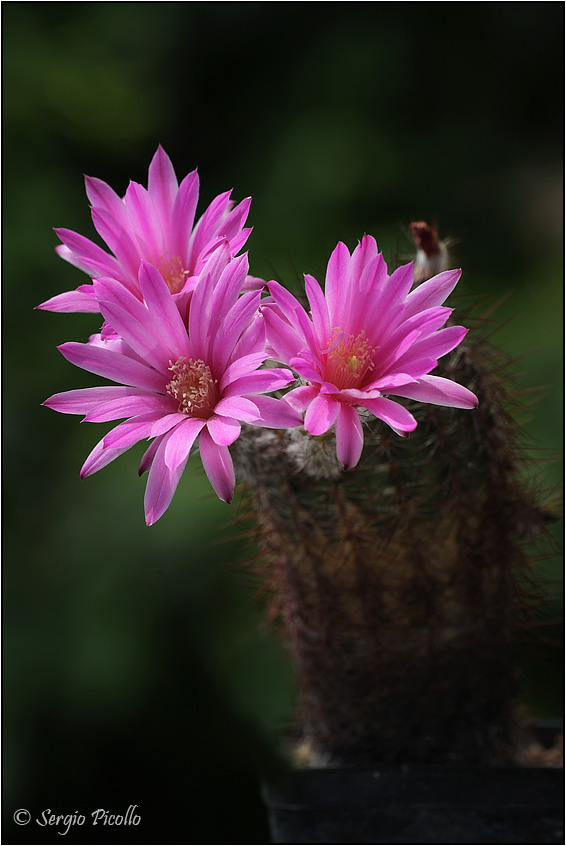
{"x": 349, "y": 358}
{"x": 193, "y": 386}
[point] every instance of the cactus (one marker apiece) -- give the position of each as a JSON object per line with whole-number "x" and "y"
{"x": 398, "y": 584}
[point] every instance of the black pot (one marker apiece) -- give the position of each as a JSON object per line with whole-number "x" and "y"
{"x": 417, "y": 804}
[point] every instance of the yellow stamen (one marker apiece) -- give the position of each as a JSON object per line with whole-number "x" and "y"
{"x": 192, "y": 386}
{"x": 349, "y": 358}
{"x": 171, "y": 268}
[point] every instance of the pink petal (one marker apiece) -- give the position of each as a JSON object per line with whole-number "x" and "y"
{"x": 180, "y": 441}
{"x": 113, "y": 365}
{"x": 400, "y": 282}
{"x": 337, "y": 285}
{"x": 85, "y": 400}
{"x": 260, "y": 381}
{"x": 87, "y": 252}
{"x": 162, "y": 186}
{"x": 276, "y": 414}
{"x": 254, "y": 283}
{"x": 321, "y": 415}
{"x": 300, "y": 398}
{"x": 223, "y": 430}
{"x": 293, "y": 313}
{"x": 436, "y": 345}
{"x": 319, "y": 310}
{"x": 164, "y": 319}
{"x": 287, "y": 303}
{"x": 244, "y": 366}
{"x": 147, "y": 425}
{"x": 349, "y": 436}
{"x": 145, "y": 222}
{"x": 232, "y": 225}
{"x": 431, "y": 293}
{"x": 218, "y": 466}
{"x": 131, "y": 406}
{"x": 102, "y": 196}
{"x": 438, "y": 391}
{"x": 224, "y": 298}
{"x": 183, "y": 217}
{"x": 364, "y": 253}
{"x": 283, "y": 337}
{"x": 241, "y": 408}
{"x": 161, "y": 483}
{"x": 358, "y": 396}
{"x": 119, "y": 241}
{"x": 238, "y": 319}
{"x": 207, "y": 226}
{"x": 414, "y": 369}
{"x": 252, "y": 340}
{"x": 392, "y": 413}
{"x": 71, "y": 301}
{"x": 149, "y": 455}
{"x": 99, "y": 458}
{"x": 135, "y": 334}
{"x": 200, "y": 314}
{"x": 306, "y": 369}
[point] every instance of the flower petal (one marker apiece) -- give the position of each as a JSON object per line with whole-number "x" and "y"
{"x": 131, "y": 406}
{"x": 71, "y": 301}
{"x": 438, "y": 391}
{"x": 218, "y": 466}
{"x": 99, "y": 458}
{"x": 242, "y": 408}
{"x": 260, "y": 381}
{"x": 84, "y": 400}
{"x": 337, "y": 285}
{"x": 180, "y": 440}
{"x": 183, "y": 217}
{"x": 237, "y": 321}
{"x": 392, "y": 413}
{"x": 166, "y": 322}
{"x": 321, "y": 415}
{"x": 162, "y": 186}
{"x": 349, "y": 436}
{"x": 146, "y": 226}
{"x": 146, "y": 425}
{"x": 300, "y": 398}
{"x": 161, "y": 483}
{"x": 113, "y": 365}
{"x": 276, "y": 414}
{"x": 283, "y": 337}
{"x": 240, "y": 367}
{"x": 223, "y": 430}
{"x": 431, "y": 293}
{"x": 319, "y": 310}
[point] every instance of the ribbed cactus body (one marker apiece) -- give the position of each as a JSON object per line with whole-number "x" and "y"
{"x": 395, "y": 584}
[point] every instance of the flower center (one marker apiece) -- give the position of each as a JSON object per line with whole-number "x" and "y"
{"x": 349, "y": 359}
{"x": 172, "y": 270}
{"x": 193, "y": 387}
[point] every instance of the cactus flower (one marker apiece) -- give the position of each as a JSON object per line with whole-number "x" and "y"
{"x": 153, "y": 225}
{"x": 176, "y": 385}
{"x": 367, "y": 337}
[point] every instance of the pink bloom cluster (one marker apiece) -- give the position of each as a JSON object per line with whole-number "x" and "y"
{"x": 186, "y": 337}
{"x": 183, "y": 338}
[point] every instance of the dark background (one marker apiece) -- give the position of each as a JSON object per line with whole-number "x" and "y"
{"x": 136, "y": 668}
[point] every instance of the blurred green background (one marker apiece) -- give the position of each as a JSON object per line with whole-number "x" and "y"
{"x": 136, "y": 668}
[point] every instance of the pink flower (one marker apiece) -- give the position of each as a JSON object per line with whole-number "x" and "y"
{"x": 367, "y": 336}
{"x": 155, "y": 226}
{"x": 176, "y": 386}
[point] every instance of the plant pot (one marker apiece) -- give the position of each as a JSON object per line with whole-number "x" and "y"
{"x": 417, "y": 804}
